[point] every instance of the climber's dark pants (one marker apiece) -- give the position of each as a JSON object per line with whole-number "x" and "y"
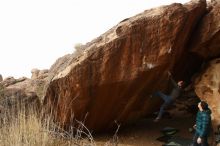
{"x": 167, "y": 101}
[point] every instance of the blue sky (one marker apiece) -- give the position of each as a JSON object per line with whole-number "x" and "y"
{"x": 34, "y": 33}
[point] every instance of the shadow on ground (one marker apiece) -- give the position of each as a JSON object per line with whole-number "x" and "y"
{"x": 178, "y": 141}
{"x": 145, "y": 132}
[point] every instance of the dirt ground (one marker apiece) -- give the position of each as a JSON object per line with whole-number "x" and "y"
{"x": 145, "y": 132}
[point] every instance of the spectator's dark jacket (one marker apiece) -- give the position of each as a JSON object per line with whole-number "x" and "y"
{"x": 203, "y": 123}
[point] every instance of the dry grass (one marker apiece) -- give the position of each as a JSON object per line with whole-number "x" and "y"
{"x": 18, "y": 128}
{"x": 21, "y": 124}
{"x": 21, "y": 128}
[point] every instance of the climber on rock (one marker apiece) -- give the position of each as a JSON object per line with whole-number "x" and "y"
{"x": 169, "y": 99}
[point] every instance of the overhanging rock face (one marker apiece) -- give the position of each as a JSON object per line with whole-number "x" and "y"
{"x": 206, "y": 38}
{"x": 114, "y": 76}
{"x": 205, "y": 42}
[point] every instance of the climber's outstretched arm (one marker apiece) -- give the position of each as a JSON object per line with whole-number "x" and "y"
{"x": 172, "y": 80}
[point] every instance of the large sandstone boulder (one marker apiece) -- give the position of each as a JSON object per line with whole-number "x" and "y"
{"x": 114, "y": 76}
{"x": 208, "y": 88}
{"x": 206, "y": 38}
